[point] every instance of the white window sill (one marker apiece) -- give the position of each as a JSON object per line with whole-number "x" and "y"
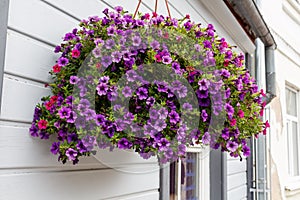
{"x": 293, "y": 185}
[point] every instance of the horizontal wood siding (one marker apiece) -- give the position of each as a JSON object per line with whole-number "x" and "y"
{"x": 236, "y": 179}
{"x": 34, "y": 28}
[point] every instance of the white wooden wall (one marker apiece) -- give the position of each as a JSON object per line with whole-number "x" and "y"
{"x": 27, "y": 168}
{"x": 236, "y": 179}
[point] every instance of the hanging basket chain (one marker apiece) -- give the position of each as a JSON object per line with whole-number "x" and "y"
{"x": 167, "y": 5}
{"x": 155, "y": 9}
{"x": 137, "y": 8}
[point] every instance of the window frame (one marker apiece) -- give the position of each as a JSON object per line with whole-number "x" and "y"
{"x": 288, "y": 123}
{"x": 202, "y": 172}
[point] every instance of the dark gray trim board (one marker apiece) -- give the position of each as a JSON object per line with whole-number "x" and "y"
{"x": 4, "y": 4}
{"x": 218, "y": 175}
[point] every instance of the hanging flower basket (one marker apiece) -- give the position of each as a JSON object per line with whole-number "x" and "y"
{"x": 153, "y": 84}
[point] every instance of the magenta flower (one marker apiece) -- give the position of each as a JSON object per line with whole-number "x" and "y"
{"x": 42, "y": 124}
{"x": 241, "y": 114}
{"x": 75, "y": 53}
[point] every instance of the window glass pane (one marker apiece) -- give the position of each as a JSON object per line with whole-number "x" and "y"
{"x": 189, "y": 180}
{"x": 295, "y": 149}
{"x": 291, "y": 102}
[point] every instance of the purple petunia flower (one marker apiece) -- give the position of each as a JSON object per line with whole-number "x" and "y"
{"x": 232, "y": 146}
{"x": 131, "y": 75}
{"x": 127, "y": 92}
{"x": 225, "y": 133}
{"x": 106, "y": 61}
{"x": 182, "y": 92}
{"x": 153, "y": 114}
{"x": 104, "y": 79}
{"x": 162, "y": 86}
{"x": 163, "y": 113}
{"x": 203, "y": 84}
{"x": 136, "y": 40}
{"x": 197, "y": 47}
{"x": 166, "y": 60}
{"x": 69, "y": 100}
{"x": 112, "y": 95}
{"x": 34, "y": 130}
{"x": 181, "y": 149}
{"x": 176, "y": 85}
{"x": 225, "y": 73}
{"x": 64, "y": 112}
{"x": 96, "y": 52}
{"x": 163, "y": 144}
{"x": 44, "y": 135}
{"x": 124, "y": 144}
{"x": 204, "y": 102}
{"x": 102, "y": 89}
{"x": 71, "y": 154}
{"x": 72, "y": 137}
{"x": 150, "y": 101}
{"x": 110, "y": 44}
{"x": 142, "y": 93}
{"x": 246, "y": 151}
{"x": 128, "y": 117}
{"x": 160, "y": 125}
{"x": 207, "y": 44}
{"x": 229, "y": 109}
{"x": 187, "y": 106}
{"x": 188, "y": 25}
{"x": 81, "y": 148}
{"x": 119, "y": 9}
{"x": 111, "y": 30}
{"x": 74, "y": 80}
{"x": 202, "y": 94}
{"x": 174, "y": 117}
{"x": 154, "y": 44}
{"x": 55, "y": 148}
{"x": 206, "y": 138}
{"x": 204, "y": 115}
{"x": 116, "y": 56}
{"x": 57, "y": 49}
{"x": 227, "y": 93}
{"x": 69, "y": 36}
{"x": 90, "y": 114}
{"x": 62, "y": 61}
